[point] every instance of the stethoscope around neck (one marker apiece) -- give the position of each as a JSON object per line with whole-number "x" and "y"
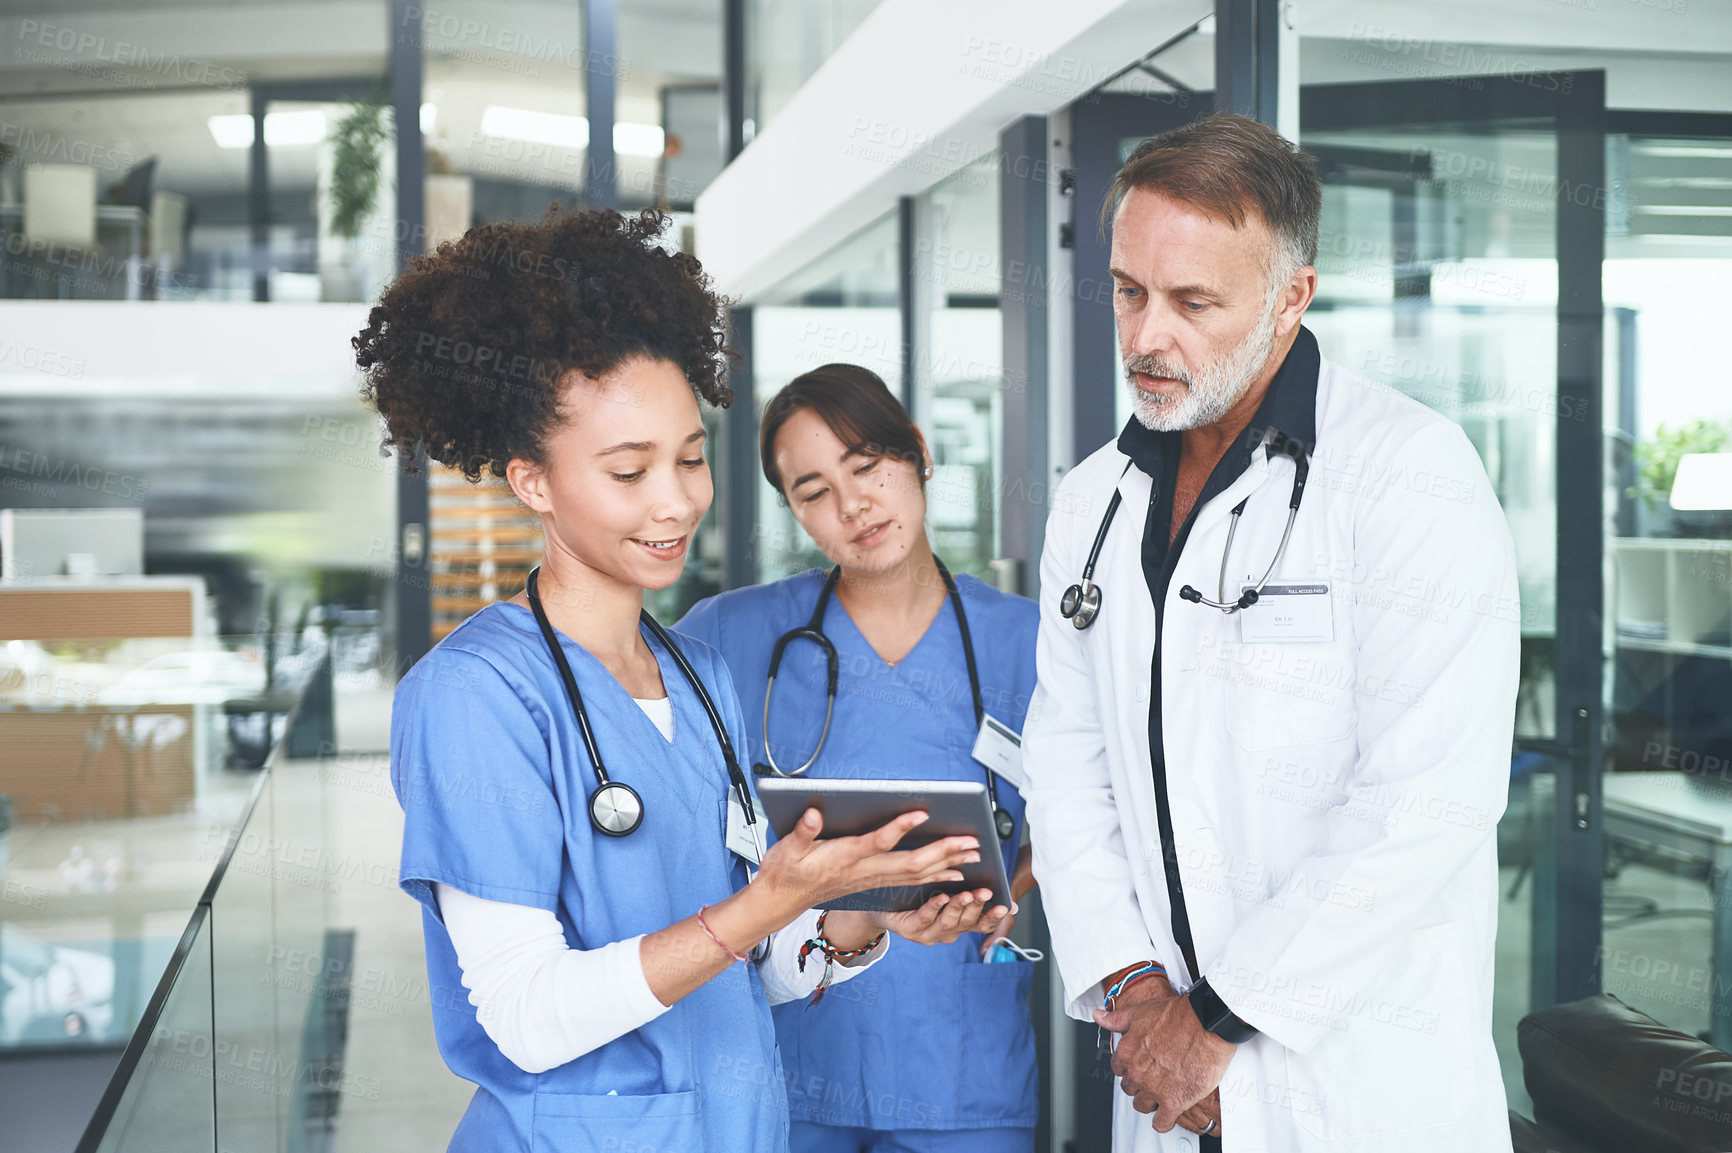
{"x": 1081, "y": 602}
{"x": 813, "y": 630}
{"x": 615, "y": 808}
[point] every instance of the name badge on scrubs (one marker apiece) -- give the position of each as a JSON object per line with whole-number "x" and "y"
{"x": 999, "y": 748}
{"x": 741, "y": 839}
{"x": 1290, "y": 613}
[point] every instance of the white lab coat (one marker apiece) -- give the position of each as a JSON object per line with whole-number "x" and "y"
{"x": 1334, "y": 804}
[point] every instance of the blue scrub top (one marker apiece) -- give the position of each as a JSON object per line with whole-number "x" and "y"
{"x": 489, "y": 766}
{"x": 931, "y": 1038}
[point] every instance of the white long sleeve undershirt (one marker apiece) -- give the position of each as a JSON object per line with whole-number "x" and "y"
{"x": 544, "y": 1003}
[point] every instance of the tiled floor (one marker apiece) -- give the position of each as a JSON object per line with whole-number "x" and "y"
{"x": 400, "y": 1097}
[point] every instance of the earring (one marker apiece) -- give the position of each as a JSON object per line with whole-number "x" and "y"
{"x": 926, "y": 474}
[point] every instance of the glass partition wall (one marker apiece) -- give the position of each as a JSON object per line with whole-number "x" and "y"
{"x": 959, "y": 376}
{"x": 1531, "y": 241}
{"x": 843, "y": 307}
{"x": 1667, "y": 943}
{"x": 786, "y": 41}
{"x": 1445, "y": 287}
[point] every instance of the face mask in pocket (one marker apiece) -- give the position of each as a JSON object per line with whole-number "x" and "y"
{"x": 1007, "y": 950}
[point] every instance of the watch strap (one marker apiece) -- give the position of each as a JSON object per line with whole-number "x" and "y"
{"x": 1216, "y": 1017}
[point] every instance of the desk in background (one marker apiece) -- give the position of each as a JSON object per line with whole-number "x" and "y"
{"x": 1684, "y": 818}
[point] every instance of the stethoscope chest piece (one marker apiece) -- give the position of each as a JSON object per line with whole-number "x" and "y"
{"x": 1004, "y": 823}
{"x": 1081, "y": 603}
{"x": 615, "y": 809}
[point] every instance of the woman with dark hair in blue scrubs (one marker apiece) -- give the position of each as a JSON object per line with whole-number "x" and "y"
{"x": 576, "y": 825}
{"x": 934, "y": 1051}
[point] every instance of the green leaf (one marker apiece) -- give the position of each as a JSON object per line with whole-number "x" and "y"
{"x": 1657, "y": 458}
{"x": 356, "y": 145}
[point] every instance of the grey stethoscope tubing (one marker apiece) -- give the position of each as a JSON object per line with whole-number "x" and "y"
{"x": 1081, "y": 602}
{"x": 813, "y": 630}
{"x": 1301, "y": 470}
{"x": 615, "y": 809}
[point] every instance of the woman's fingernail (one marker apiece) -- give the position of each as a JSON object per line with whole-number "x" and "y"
{"x": 971, "y": 858}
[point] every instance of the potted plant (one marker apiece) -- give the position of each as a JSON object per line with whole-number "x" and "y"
{"x": 1657, "y": 458}
{"x": 357, "y": 147}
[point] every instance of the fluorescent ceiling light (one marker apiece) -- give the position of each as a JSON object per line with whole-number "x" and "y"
{"x": 1703, "y": 482}
{"x": 282, "y": 129}
{"x": 1717, "y": 152}
{"x": 429, "y": 118}
{"x": 1684, "y": 209}
{"x": 639, "y": 140}
{"x": 535, "y": 127}
{"x": 563, "y": 131}
{"x": 1715, "y": 182}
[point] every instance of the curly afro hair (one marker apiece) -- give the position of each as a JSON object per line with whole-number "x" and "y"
{"x": 464, "y": 353}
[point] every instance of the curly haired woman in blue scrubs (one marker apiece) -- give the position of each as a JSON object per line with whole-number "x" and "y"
{"x": 934, "y": 1051}
{"x": 616, "y": 999}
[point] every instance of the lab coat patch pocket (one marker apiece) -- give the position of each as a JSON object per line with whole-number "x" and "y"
{"x": 591, "y": 1122}
{"x": 1284, "y": 694}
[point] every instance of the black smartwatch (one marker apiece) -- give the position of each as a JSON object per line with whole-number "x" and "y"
{"x": 1216, "y": 1017}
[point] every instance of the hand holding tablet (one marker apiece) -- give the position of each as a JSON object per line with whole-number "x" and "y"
{"x": 853, "y": 807}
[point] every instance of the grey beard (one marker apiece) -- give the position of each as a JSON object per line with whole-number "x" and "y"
{"x": 1209, "y": 392}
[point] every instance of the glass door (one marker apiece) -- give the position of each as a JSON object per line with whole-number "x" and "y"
{"x": 1667, "y": 947}
{"x": 1459, "y": 262}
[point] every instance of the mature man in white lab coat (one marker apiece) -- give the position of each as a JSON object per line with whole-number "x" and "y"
{"x": 1269, "y": 821}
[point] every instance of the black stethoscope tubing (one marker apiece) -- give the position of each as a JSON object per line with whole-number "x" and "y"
{"x": 615, "y": 808}
{"x": 813, "y": 630}
{"x": 1081, "y": 602}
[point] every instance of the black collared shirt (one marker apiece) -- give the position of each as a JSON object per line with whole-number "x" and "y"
{"x": 1290, "y": 405}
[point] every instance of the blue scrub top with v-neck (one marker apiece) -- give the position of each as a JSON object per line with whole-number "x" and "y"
{"x": 931, "y": 1038}
{"x": 490, "y": 768}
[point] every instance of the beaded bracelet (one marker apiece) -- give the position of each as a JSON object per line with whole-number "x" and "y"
{"x": 710, "y": 933}
{"x": 821, "y": 944}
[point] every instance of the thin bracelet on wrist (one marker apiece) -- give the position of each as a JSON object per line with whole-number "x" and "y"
{"x": 711, "y": 934}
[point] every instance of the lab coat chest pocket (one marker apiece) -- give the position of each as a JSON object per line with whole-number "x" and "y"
{"x": 1279, "y": 693}
{"x": 591, "y": 1123}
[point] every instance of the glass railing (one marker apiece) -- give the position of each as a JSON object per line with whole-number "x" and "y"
{"x": 138, "y": 785}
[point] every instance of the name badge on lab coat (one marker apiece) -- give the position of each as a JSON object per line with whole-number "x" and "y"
{"x": 740, "y": 837}
{"x": 999, "y": 748}
{"x": 1288, "y": 613}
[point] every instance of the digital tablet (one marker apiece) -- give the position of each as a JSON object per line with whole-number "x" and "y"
{"x": 852, "y": 807}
